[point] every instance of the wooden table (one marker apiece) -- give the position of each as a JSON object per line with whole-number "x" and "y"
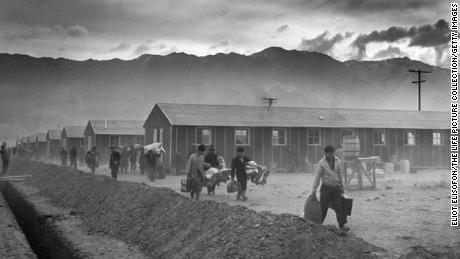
{"x": 361, "y": 166}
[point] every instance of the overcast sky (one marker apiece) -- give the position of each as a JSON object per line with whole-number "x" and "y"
{"x": 105, "y": 29}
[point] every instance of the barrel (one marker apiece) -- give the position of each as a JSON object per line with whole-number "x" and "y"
{"x": 350, "y": 146}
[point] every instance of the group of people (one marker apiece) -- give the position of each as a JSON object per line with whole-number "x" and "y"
{"x": 329, "y": 173}
{"x": 119, "y": 160}
{"x": 198, "y": 162}
{"x": 71, "y": 155}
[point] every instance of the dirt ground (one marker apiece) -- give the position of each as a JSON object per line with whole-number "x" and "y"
{"x": 406, "y": 210}
{"x": 165, "y": 224}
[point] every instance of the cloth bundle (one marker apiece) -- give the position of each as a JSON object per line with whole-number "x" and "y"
{"x": 251, "y": 168}
{"x": 215, "y": 176}
{"x": 157, "y": 148}
{"x": 261, "y": 176}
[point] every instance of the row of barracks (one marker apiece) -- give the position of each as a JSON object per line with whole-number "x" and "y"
{"x": 278, "y": 137}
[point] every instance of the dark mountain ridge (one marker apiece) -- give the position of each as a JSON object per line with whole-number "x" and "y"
{"x": 40, "y": 93}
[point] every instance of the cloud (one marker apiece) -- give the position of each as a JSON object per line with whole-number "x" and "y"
{"x": 76, "y": 31}
{"x": 120, "y": 47}
{"x": 171, "y": 50}
{"x": 423, "y": 36}
{"x": 321, "y": 43}
{"x": 390, "y": 52}
{"x": 220, "y": 44}
{"x": 141, "y": 49}
{"x": 431, "y": 35}
{"x": 31, "y": 33}
{"x": 282, "y": 28}
{"x": 360, "y": 6}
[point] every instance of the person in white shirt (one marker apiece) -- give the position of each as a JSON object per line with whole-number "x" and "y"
{"x": 330, "y": 174}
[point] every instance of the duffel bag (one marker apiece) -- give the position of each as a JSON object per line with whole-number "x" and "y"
{"x": 312, "y": 210}
{"x": 233, "y": 187}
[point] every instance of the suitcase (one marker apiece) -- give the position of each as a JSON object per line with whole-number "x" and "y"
{"x": 347, "y": 204}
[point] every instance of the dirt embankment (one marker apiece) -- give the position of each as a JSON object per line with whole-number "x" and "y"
{"x": 13, "y": 243}
{"x": 165, "y": 224}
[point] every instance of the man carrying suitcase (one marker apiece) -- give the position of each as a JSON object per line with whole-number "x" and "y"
{"x": 330, "y": 174}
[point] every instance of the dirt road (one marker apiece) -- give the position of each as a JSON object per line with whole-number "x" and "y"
{"x": 406, "y": 210}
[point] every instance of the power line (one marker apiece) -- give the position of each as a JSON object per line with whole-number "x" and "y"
{"x": 270, "y": 101}
{"x": 419, "y": 82}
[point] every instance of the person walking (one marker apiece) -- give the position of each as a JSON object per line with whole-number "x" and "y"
{"x": 5, "y": 154}
{"x": 330, "y": 174}
{"x": 152, "y": 164}
{"x": 142, "y": 161}
{"x": 92, "y": 159}
{"x": 211, "y": 158}
{"x": 196, "y": 172}
{"x": 73, "y": 156}
{"x": 133, "y": 158}
{"x": 238, "y": 168}
{"x": 114, "y": 163}
{"x": 124, "y": 163}
{"x": 63, "y": 155}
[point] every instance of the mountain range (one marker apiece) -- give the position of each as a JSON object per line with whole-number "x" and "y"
{"x": 38, "y": 94}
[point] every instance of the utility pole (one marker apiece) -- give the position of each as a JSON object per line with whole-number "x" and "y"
{"x": 419, "y": 82}
{"x": 270, "y": 101}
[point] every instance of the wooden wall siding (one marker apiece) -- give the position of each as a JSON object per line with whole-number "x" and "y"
{"x": 260, "y": 148}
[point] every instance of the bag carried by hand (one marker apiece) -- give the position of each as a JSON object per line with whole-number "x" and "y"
{"x": 312, "y": 210}
{"x": 186, "y": 185}
{"x": 183, "y": 185}
{"x": 347, "y": 204}
{"x": 233, "y": 186}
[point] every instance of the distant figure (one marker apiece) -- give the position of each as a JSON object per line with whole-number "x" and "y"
{"x": 178, "y": 162}
{"x": 5, "y": 153}
{"x": 114, "y": 163}
{"x": 133, "y": 158}
{"x": 63, "y": 154}
{"x": 211, "y": 158}
{"x": 330, "y": 174}
{"x": 92, "y": 159}
{"x": 73, "y": 156}
{"x": 81, "y": 156}
{"x": 142, "y": 162}
{"x": 196, "y": 171}
{"x": 239, "y": 169}
{"x": 124, "y": 163}
{"x": 152, "y": 164}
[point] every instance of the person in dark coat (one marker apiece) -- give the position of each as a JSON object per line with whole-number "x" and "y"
{"x": 211, "y": 158}
{"x": 124, "y": 163}
{"x": 92, "y": 159}
{"x": 195, "y": 171}
{"x": 5, "y": 154}
{"x": 238, "y": 168}
{"x": 142, "y": 162}
{"x": 114, "y": 164}
{"x": 152, "y": 164}
{"x": 133, "y": 158}
{"x": 63, "y": 154}
{"x": 73, "y": 156}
